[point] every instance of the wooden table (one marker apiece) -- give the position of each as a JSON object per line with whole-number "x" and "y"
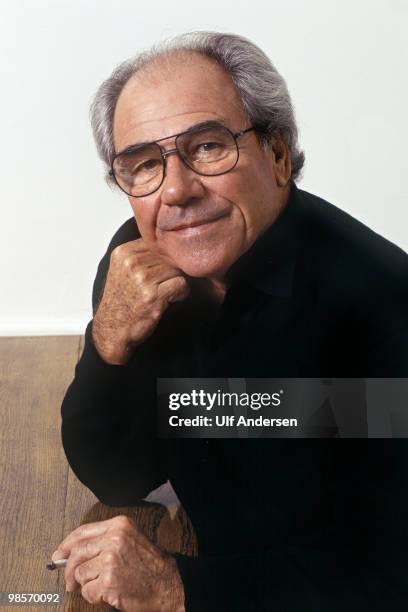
{"x": 41, "y": 500}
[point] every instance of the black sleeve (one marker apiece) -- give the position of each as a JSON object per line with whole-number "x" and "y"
{"x": 107, "y": 416}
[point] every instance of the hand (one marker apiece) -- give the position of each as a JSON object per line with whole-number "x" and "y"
{"x": 139, "y": 287}
{"x": 113, "y": 562}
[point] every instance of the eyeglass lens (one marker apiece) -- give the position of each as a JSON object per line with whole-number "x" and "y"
{"x": 209, "y": 152}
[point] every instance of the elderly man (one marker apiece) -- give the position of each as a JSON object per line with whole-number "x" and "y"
{"x": 231, "y": 270}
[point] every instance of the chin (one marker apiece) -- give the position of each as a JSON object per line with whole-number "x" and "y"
{"x": 205, "y": 258}
{"x": 198, "y": 271}
{"x": 199, "y": 268}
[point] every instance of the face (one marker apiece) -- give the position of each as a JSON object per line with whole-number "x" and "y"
{"x": 200, "y": 224}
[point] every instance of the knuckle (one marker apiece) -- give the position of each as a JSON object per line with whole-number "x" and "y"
{"x": 178, "y": 283}
{"x": 139, "y": 276}
{"x": 117, "y": 253}
{"x": 123, "y": 521}
{"x": 108, "y": 557}
{"x": 155, "y": 314}
{"x": 114, "y": 599}
{"x": 128, "y": 262}
{"x": 107, "y": 579}
{"x": 181, "y": 284}
{"x": 118, "y": 538}
{"x": 147, "y": 294}
{"x": 89, "y": 595}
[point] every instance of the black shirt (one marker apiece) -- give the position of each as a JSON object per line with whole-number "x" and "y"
{"x": 300, "y": 525}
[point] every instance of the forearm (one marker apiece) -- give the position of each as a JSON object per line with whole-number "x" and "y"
{"x": 108, "y": 436}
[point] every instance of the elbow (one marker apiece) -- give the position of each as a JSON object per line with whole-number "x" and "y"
{"x": 114, "y": 485}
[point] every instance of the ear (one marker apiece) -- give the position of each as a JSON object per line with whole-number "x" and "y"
{"x": 282, "y": 162}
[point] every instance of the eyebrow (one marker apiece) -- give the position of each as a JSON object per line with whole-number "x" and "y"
{"x": 209, "y": 123}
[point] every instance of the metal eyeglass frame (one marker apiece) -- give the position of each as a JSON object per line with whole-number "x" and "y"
{"x": 165, "y": 153}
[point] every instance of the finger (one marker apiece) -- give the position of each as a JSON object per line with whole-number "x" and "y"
{"x": 130, "y": 246}
{"x": 127, "y": 248}
{"x": 92, "y": 592}
{"x": 161, "y": 267}
{"x": 147, "y": 259}
{"x": 85, "y": 552}
{"x": 174, "y": 289}
{"x": 89, "y": 570}
{"x": 96, "y": 593}
{"x": 143, "y": 261}
{"x": 74, "y": 539}
{"x": 155, "y": 274}
{"x": 83, "y": 532}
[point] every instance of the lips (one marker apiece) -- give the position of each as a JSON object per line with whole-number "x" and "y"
{"x": 194, "y": 223}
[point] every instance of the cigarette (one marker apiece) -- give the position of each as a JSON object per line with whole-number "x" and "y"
{"x": 52, "y": 565}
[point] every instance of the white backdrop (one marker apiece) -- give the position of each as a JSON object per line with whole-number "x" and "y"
{"x": 345, "y": 62}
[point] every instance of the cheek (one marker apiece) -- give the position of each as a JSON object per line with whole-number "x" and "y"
{"x": 256, "y": 195}
{"x": 239, "y": 189}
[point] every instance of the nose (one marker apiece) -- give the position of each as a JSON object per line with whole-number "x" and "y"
{"x": 181, "y": 184}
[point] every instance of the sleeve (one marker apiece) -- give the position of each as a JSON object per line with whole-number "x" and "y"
{"x": 107, "y": 416}
{"x": 361, "y": 564}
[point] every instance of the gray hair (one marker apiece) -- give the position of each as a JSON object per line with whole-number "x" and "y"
{"x": 262, "y": 90}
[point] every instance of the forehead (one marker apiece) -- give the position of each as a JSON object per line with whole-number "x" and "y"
{"x": 171, "y": 95}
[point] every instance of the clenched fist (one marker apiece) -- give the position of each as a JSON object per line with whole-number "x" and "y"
{"x": 139, "y": 287}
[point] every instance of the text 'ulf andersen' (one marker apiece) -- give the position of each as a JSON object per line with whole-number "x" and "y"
{"x": 230, "y": 421}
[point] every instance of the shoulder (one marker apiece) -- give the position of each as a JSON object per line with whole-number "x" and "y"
{"x": 360, "y": 278}
{"x": 347, "y": 253}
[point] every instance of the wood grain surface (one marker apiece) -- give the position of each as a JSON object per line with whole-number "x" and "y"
{"x": 41, "y": 500}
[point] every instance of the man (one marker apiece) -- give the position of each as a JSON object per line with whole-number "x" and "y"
{"x": 232, "y": 271}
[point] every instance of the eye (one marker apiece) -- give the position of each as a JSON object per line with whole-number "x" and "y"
{"x": 210, "y": 150}
{"x": 146, "y": 166}
{"x": 207, "y": 147}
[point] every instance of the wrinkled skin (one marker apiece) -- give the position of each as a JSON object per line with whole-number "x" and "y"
{"x": 113, "y": 562}
{"x": 139, "y": 287}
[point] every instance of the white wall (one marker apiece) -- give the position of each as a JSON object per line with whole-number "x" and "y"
{"x": 345, "y": 62}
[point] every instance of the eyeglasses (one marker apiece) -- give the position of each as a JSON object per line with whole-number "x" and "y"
{"x": 211, "y": 150}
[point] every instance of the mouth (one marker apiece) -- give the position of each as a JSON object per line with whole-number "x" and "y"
{"x": 199, "y": 223}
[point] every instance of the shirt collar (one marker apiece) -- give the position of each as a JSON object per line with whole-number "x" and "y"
{"x": 269, "y": 265}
